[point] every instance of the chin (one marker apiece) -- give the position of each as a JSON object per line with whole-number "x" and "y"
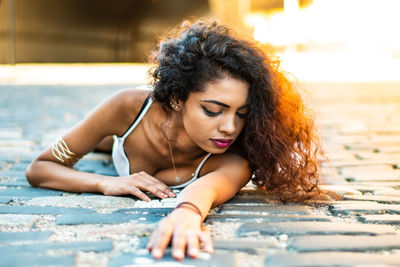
{"x": 216, "y": 150}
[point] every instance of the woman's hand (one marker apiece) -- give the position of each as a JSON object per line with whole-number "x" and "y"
{"x": 134, "y": 184}
{"x": 183, "y": 229}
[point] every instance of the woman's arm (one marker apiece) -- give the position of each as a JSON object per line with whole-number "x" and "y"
{"x": 110, "y": 117}
{"x": 226, "y": 174}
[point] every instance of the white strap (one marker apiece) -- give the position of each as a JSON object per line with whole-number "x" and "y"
{"x": 196, "y": 174}
{"x": 141, "y": 115}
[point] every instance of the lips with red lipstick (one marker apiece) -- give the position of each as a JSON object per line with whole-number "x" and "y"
{"x": 221, "y": 142}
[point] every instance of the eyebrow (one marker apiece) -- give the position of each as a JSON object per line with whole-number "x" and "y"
{"x": 222, "y": 104}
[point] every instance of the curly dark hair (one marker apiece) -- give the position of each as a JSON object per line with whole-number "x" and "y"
{"x": 279, "y": 138}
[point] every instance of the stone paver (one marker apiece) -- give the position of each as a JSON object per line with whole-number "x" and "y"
{"x": 353, "y": 169}
{"x": 344, "y": 243}
{"x": 7, "y": 237}
{"x": 312, "y": 228}
{"x": 99, "y": 246}
{"x": 144, "y": 260}
{"x": 145, "y": 211}
{"x": 368, "y": 188}
{"x": 96, "y": 202}
{"x": 361, "y": 138}
{"x": 371, "y": 173}
{"x": 273, "y": 218}
{"x": 17, "y": 219}
{"x": 364, "y": 208}
{"x": 387, "y": 192}
{"x": 332, "y": 259}
{"x": 17, "y": 183}
{"x": 377, "y": 198}
{"x": 342, "y": 190}
{"x": 107, "y": 218}
{"x": 42, "y": 210}
{"x": 381, "y": 218}
{"x": 368, "y": 185}
{"x": 29, "y": 192}
{"x": 264, "y": 209}
{"x": 5, "y": 200}
{"x": 32, "y": 259}
{"x": 249, "y": 246}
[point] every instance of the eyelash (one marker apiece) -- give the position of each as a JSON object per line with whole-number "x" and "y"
{"x": 242, "y": 116}
{"x": 210, "y": 113}
{"x": 214, "y": 114}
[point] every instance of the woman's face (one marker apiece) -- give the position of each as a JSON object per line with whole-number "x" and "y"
{"x": 214, "y": 118}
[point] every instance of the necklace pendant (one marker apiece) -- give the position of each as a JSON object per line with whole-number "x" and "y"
{"x": 177, "y": 179}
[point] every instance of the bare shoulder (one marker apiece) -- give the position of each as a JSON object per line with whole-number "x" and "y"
{"x": 126, "y": 105}
{"x": 129, "y": 101}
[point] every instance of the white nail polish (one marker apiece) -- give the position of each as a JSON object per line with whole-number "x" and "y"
{"x": 156, "y": 253}
{"x": 178, "y": 253}
{"x": 193, "y": 251}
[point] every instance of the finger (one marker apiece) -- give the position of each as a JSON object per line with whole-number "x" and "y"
{"x": 153, "y": 236}
{"x": 144, "y": 182}
{"x": 152, "y": 188}
{"x": 161, "y": 238}
{"x": 136, "y": 192}
{"x": 150, "y": 242}
{"x": 157, "y": 185}
{"x": 205, "y": 239}
{"x": 179, "y": 244}
{"x": 192, "y": 244}
{"x": 164, "y": 188}
{"x": 160, "y": 185}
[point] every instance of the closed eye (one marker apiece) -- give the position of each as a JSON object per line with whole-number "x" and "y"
{"x": 210, "y": 113}
{"x": 242, "y": 115}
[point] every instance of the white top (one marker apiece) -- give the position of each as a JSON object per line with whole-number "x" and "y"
{"x": 120, "y": 159}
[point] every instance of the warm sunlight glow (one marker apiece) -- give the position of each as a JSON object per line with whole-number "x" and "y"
{"x": 361, "y": 36}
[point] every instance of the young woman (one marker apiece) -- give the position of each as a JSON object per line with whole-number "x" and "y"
{"x": 220, "y": 114}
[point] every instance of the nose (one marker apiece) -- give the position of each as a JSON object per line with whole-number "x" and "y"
{"x": 228, "y": 125}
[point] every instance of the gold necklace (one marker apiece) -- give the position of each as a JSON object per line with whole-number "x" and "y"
{"x": 177, "y": 178}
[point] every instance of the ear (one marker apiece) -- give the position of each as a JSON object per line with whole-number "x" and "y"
{"x": 175, "y": 104}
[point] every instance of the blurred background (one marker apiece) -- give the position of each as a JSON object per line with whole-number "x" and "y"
{"x": 315, "y": 39}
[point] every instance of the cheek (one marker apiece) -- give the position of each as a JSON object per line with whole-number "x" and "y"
{"x": 197, "y": 125}
{"x": 240, "y": 123}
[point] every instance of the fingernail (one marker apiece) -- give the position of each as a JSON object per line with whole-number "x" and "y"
{"x": 177, "y": 253}
{"x": 172, "y": 194}
{"x": 157, "y": 253}
{"x": 209, "y": 248}
{"x": 193, "y": 252}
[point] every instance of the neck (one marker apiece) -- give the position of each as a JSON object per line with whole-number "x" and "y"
{"x": 173, "y": 132}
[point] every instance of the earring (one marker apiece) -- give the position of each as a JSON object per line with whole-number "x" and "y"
{"x": 173, "y": 106}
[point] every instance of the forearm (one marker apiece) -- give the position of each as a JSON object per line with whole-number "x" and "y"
{"x": 211, "y": 191}
{"x": 49, "y": 174}
{"x": 200, "y": 195}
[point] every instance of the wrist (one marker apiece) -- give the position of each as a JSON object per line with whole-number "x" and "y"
{"x": 189, "y": 206}
{"x": 181, "y": 214}
{"x": 99, "y": 184}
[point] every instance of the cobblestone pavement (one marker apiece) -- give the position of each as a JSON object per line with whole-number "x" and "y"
{"x": 361, "y": 132}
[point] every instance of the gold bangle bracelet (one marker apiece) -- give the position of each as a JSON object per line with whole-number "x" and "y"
{"x": 62, "y": 153}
